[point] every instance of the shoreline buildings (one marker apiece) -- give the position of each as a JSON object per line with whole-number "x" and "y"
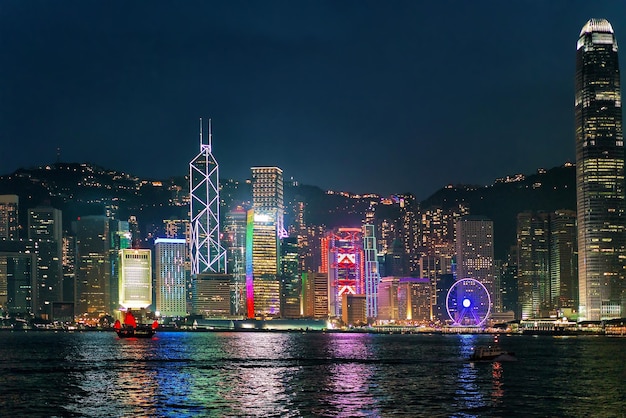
{"x": 600, "y": 194}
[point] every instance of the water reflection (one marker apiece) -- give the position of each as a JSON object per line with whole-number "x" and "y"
{"x": 256, "y": 384}
{"x": 349, "y": 391}
{"x": 497, "y": 389}
{"x": 305, "y": 374}
{"x": 468, "y": 396}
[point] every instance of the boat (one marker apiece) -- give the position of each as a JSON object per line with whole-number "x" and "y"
{"x": 131, "y": 329}
{"x": 490, "y": 353}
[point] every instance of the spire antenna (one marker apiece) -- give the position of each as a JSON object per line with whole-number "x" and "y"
{"x": 200, "y": 132}
{"x": 210, "y": 134}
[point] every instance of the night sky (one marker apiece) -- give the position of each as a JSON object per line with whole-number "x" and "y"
{"x": 382, "y": 96}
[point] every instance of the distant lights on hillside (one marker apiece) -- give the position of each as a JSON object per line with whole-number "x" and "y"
{"x": 511, "y": 179}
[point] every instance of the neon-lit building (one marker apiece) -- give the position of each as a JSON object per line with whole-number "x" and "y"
{"x": 135, "y": 278}
{"x": 207, "y": 254}
{"x": 344, "y": 251}
{"x": 265, "y": 229}
{"x": 372, "y": 274}
{"x": 600, "y": 189}
{"x": 171, "y": 277}
{"x": 267, "y": 195}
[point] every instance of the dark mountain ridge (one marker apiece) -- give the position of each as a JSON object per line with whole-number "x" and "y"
{"x": 86, "y": 189}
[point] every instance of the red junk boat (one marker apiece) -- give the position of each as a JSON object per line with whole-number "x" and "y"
{"x": 130, "y": 328}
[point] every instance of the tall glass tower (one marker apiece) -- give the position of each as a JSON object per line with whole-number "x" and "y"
{"x": 600, "y": 197}
{"x": 207, "y": 254}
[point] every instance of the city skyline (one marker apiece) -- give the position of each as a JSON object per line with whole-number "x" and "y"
{"x": 384, "y": 91}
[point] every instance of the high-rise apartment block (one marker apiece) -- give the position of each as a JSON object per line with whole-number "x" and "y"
{"x": 600, "y": 188}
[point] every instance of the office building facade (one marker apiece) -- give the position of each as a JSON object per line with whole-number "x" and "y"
{"x": 600, "y": 190}
{"x": 171, "y": 277}
{"x": 135, "y": 278}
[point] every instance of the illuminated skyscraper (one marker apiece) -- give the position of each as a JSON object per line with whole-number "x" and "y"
{"x": 563, "y": 260}
{"x": 533, "y": 262}
{"x": 267, "y": 195}
{"x": 372, "y": 273}
{"x": 474, "y": 250}
{"x": 264, "y": 232}
{"x": 45, "y": 231}
{"x": 600, "y": 194}
{"x": 235, "y": 243}
{"x": 135, "y": 280}
{"x": 171, "y": 289}
{"x": 345, "y": 267}
{"x": 207, "y": 254}
{"x": 93, "y": 266}
{"x": 290, "y": 279}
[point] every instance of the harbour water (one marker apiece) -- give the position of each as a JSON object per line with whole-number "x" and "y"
{"x": 96, "y": 374}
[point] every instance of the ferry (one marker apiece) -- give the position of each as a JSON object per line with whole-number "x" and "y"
{"x": 491, "y": 353}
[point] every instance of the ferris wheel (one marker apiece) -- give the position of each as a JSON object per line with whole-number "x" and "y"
{"x": 468, "y": 303}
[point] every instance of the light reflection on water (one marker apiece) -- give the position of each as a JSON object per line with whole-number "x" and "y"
{"x": 305, "y": 374}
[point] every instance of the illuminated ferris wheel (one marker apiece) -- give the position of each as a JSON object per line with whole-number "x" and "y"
{"x": 468, "y": 303}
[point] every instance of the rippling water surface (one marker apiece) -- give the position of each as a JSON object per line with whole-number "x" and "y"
{"x": 96, "y": 374}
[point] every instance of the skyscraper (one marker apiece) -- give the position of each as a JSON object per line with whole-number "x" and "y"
{"x": 170, "y": 254}
{"x": 533, "y": 263}
{"x": 266, "y": 229}
{"x": 207, "y": 254}
{"x": 474, "y": 250}
{"x": 93, "y": 266}
{"x": 600, "y": 194}
{"x": 46, "y": 232}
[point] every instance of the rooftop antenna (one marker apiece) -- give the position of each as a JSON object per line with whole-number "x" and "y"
{"x": 58, "y": 155}
{"x": 200, "y": 133}
{"x": 210, "y": 134}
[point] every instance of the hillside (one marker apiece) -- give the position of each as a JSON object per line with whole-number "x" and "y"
{"x": 84, "y": 189}
{"x": 547, "y": 190}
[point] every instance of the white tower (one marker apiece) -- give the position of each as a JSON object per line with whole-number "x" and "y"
{"x": 207, "y": 254}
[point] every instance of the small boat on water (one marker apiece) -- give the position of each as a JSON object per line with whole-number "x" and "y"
{"x": 130, "y": 328}
{"x": 490, "y": 353}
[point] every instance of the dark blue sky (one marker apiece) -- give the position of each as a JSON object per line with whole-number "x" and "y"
{"x": 360, "y": 96}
